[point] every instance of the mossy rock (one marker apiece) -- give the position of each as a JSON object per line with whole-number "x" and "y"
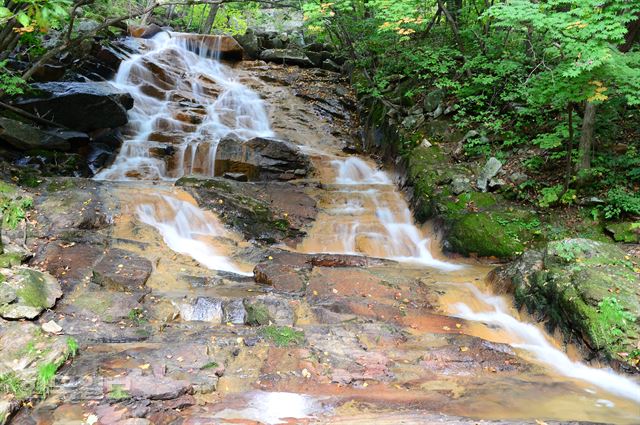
{"x": 589, "y": 289}
{"x": 34, "y": 290}
{"x": 245, "y": 206}
{"x": 11, "y": 259}
{"x": 257, "y": 314}
{"x": 491, "y": 234}
{"x": 628, "y": 232}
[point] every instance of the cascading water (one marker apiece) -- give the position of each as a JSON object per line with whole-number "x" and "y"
{"x": 370, "y": 217}
{"x": 185, "y": 101}
{"x": 531, "y": 339}
{"x": 188, "y": 230}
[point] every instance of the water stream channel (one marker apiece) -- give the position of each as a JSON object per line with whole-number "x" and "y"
{"x": 360, "y": 212}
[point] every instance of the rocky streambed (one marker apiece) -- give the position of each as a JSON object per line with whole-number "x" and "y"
{"x": 283, "y": 282}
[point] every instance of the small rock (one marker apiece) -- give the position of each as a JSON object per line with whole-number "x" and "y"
{"x": 489, "y": 171}
{"x": 460, "y": 184}
{"x": 51, "y": 327}
{"x": 425, "y": 143}
{"x": 239, "y": 177}
{"x": 518, "y": 178}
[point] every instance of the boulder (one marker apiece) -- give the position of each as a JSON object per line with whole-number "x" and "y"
{"x": 433, "y": 99}
{"x": 588, "y": 289}
{"x": 26, "y": 137}
{"x": 489, "y": 171}
{"x": 261, "y": 159}
{"x": 80, "y": 106}
{"x": 628, "y": 232}
{"x": 250, "y": 44}
{"x": 26, "y": 292}
{"x": 287, "y": 57}
{"x": 121, "y": 270}
{"x": 460, "y": 184}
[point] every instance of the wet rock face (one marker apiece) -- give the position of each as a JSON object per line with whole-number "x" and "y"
{"x": 261, "y": 159}
{"x": 80, "y": 106}
{"x": 587, "y": 288}
{"x": 26, "y": 137}
{"x": 287, "y": 56}
{"x": 120, "y": 270}
{"x": 267, "y": 213}
{"x": 25, "y": 293}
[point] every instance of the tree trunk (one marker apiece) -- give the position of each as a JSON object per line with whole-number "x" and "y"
{"x": 586, "y": 137}
{"x": 211, "y": 18}
{"x": 633, "y": 35}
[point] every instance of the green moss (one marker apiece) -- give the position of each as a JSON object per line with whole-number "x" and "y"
{"x": 498, "y": 234}
{"x": 7, "y": 189}
{"x": 257, "y": 315}
{"x": 210, "y": 365}
{"x": 282, "y": 336}
{"x": 60, "y": 185}
{"x": 10, "y": 259}
{"x": 45, "y": 378}
{"x": 90, "y": 302}
{"x": 118, "y": 392}
{"x": 628, "y": 232}
{"x": 33, "y": 291}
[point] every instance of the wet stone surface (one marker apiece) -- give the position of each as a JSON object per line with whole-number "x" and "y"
{"x": 316, "y": 338}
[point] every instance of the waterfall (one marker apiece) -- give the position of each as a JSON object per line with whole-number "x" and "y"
{"x": 185, "y": 101}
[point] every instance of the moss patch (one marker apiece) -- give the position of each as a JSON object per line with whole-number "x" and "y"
{"x": 8, "y": 260}
{"x": 498, "y": 234}
{"x": 257, "y": 315}
{"x": 282, "y": 336}
{"x": 34, "y": 290}
{"x": 628, "y": 232}
{"x": 585, "y": 287}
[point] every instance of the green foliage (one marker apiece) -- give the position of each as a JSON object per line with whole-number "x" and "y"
{"x": 118, "y": 392}
{"x": 45, "y": 378}
{"x": 10, "y": 383}
{"x": 13, "y": 211}
{"x": 37, "y": 15}
{"x": 282, "y": 336}
{"x": 621, "y": 202}
{"x": 613, "y": 321}
{"x": 10, "y": 84}
{"x": 72, "y": 347}
{"x": 136, "y": 315}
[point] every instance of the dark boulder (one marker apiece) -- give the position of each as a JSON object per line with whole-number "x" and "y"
{"x": 80, "y": 106}
{"x": 26, "y": 137}
{"x": 287, "y": 56}
{"x": 250, "y": 43}
{"x": 261, "y": 159}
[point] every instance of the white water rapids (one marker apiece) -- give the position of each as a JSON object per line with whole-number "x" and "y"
{"x": 163, "y": 145}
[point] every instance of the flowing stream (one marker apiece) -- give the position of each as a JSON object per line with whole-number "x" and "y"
{"x": 186, "y": 100}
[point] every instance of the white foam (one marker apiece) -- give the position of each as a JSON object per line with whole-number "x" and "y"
{"x": 274, "y": 408}
{"x": 531, "y": 339}
{"x": 185, "y": 228}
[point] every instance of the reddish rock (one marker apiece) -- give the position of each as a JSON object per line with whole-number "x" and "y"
{"x": 120, "y": 270}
